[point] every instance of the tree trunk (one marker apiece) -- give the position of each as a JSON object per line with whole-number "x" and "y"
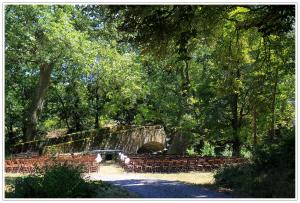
{"x": 77, "y": 116}
{"x": 10, "y": 131}
{"x": 37, "y": 101}
{"x": 235, "y": 127}
{"x": 97, "y": 110}
{"x": 236, "y": 147}
{"x": 235, "y": 122}
{"x": 65, "y": 113}
{"x": 254, "y": 126}
{"x": 273, "y": 131}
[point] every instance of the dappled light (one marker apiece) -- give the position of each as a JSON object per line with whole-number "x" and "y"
{"x": 150, "y": 101}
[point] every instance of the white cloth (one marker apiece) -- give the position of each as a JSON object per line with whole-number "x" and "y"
{"x": 127, "y": 161}
{"x": 123, "y": 157}
{"x": 99, "y": 158}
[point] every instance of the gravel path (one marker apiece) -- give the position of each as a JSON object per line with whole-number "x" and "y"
{"x": 154, "y": 188}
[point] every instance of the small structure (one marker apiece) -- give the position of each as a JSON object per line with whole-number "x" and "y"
{"x": 108, "y": 153}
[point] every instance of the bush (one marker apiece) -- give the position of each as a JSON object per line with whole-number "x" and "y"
{"x": 191, "y": 151}
{"x": 227, "y": 151}
{"x": 208, "y": 150}
{"x": 270, "y": 174}
{"x": 58, "y": 181}
{"x": 28, "y": 187}
{"x": 151, "y": 147}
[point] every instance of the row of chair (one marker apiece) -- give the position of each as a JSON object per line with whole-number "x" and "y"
{"x": 31, "y": 165}
{"x": 168, "y": 164}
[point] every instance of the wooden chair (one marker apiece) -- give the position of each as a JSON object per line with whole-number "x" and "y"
{"x": 138, "y": 166}
{"x": 165, "y": 166}
{"x": 8, "y": 166}
{"x": 156, "y": 167}
{"x": 148, "y": 167}
{"x": 192, "y": 165}
{"x": 200, "y": 165}
{"x": 93, "y": 167}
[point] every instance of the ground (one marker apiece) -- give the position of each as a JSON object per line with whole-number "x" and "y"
{"x": 149, "y": 185}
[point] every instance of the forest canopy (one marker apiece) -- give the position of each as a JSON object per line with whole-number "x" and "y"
{"x": 217, "y": 75}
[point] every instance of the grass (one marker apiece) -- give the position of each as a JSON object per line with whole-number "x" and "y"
{"x": 109, "y": 169}
{"x": 191, "y": 177}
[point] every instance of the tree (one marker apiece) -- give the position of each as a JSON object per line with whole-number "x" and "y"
{"x": 42, "y": 36}
{"x": 219, "y": 75}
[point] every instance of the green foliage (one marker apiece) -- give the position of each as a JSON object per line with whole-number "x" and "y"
{"x": 58, "y": 181}
{"x": 222, "y": 75}
{"x": 61, "y": 181}
{"x": 150, "y": 147}
{"x": 227, "y": 151}
{"x": 208, "y": 149}
{"x": 227, "y": 77}
{"x": 271, "y": 173}
{"x": 246, "y": 153}
{"x": 27, "y": 187}
{"x": 191, "y": 151}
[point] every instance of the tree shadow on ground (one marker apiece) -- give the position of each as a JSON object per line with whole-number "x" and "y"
{"x": 146, "y": 188}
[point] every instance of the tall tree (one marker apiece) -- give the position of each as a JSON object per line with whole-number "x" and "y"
{"x": 42, "y": 36}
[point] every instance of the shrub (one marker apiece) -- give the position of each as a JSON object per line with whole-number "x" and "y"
{"x": 208, "y": 149}
{"x": 245, "y": 152}
{"x": 270, "y": 174}
{"x": 191, "y": 151}
{"x": 151, "y": 147}
{"x": 227, "y": 151}
{"x": 29, "y": 187}
{"x": 58, "y": 181}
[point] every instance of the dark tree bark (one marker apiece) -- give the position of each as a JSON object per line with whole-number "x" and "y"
{"x": 254, "y": 126}
{"x": 235, "y": 127}
{"x": 77, "y": 116}
{"x": 65, "y": 113}
{"x": 236, "y": 117}
{"x": 37, "y": 101}
{"x": 273, "y": 130}
{"x": 97, "y": 110}
{"x": 235, "y": 122}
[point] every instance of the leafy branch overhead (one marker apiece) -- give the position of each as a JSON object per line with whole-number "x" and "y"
{"x": 222, "y": 75}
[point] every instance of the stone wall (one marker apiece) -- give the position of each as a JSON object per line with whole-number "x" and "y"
{"x": 127, "y": 139}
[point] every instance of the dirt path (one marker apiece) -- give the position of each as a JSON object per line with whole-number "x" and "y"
{"x": 149, "y": 186}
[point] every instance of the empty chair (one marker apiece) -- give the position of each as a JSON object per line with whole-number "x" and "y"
{"x": 9, "y": 166}
{"x": 138, "y": 166}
